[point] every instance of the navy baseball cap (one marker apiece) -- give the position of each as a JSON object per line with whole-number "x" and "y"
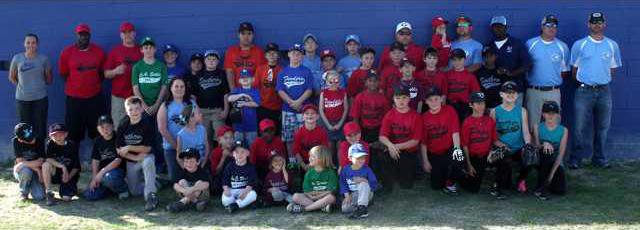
{"x": 239, "y": 144}
{"x": 170, "y": 48}
{"x": 477, "y": 97}
{"x": 458, "y": 53}
{"x": 272, "y": 47}
{"x": 405, "y": 61}
{"x": 245, "y": 26}
{"x": 396, "y": 46}
{"x": 401, "y": 91}
{"x": 24, "y": 131}
{"x": 190, "y": 153}
{"x": 105, "y": 119}
{"x": 245, "y": 73}
{"x": 296, "y": 47}
{"x": 372, "y": 74}
{"x": 509, "y": 86}
{"x": 596, "y": 17}
{"x": 212, "y": 53}
{"x": 197, "y": 56}
{"x": 550, "y": 107}
{"x": 147, "y": 41}
{"x": 57, "y": 127}
{"x": 432, "y": 91}
{"x": 549, "y": 19}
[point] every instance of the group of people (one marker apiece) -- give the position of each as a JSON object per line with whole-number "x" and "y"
{"x": 253, "y": 131}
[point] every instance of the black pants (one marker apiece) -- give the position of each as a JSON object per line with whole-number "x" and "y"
{"x": 462, "y": 109}
{"x": 472, "y": 184}
{"x": 81, "y": 116}
{"x": 401, "y": 171}
{"x": 370, "y": 135}
{"x": 34, "y": 113}
{"x": 440, "y": 169}
{"x": 558, "y": 184}
{"x": 504, "y": 177}
{"x": 274, "y": 115}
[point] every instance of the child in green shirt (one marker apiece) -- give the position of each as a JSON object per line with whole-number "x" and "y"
{"x": 319, "y": 184}
{"x": 149, "y": 78}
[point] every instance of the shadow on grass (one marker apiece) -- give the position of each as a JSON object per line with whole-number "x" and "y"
{"x": 596, "y": 197}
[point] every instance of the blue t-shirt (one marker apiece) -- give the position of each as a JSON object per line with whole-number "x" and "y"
{"x": 472, "y": 48}
{"x": 509, "y": 127}
{"x": 195, "y": 139}
{"x": 175, "y": 71}
{"x": 550, "y": 59}
{"x": 249, "y": 114}
{"x": 349, "y": 64}
{"x": 595, "y": 59}
{"x": 239, "y": 177}
{"x": 346, "y": 179}
{"x": 315, "y": 65}
{"x": 294, "y": 82}
{"x": 174, "y": 125}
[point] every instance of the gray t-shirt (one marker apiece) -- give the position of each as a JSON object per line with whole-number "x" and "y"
{"x": 31, "y": 76}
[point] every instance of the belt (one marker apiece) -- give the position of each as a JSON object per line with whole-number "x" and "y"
{"x": 586, "y": 86}
{"x": 544, "y": 88}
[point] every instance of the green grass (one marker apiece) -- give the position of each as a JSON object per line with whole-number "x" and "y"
{"x": 597, "y": 199}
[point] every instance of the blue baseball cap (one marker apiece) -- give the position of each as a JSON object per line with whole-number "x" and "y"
{"x": 499, "y": 20}
{"x": 352, "y": 37}
{"x": 309, "y": 35}
{"x": 296, "y": 47}
{"x": 357, "y": 150}
{"x": 170, "y": 47}
{"x": 245, "y": 73}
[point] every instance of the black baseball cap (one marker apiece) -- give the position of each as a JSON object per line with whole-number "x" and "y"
{"x": 197, "y": 56}
{"x": 57, "y": 127}
{"x": 509, "y": 86}
{"x": 24, "y": 131}
{"x": 432, "y": 91}
{"x": 190, "y": 153}
{"x": 549, "y": 19}
{"x": 396, "y": 46}
{"x": 372, "y": 74}
{"x": 401, "y": 91}
{"x": 147, "y": 41}
{"x": 596, "y": 17}
{"x": 477, "y": 97}
{"x": 105, "y": 119}
{"x": 239, "y": 144}
{"x": 550, "y": 107}
{"x": 272, "y": 47}
{"x": 405, "y": 61}
{"x": 488, "y": 50}
{"x": 458, "y": 53}
{"x": 245, "y": 26}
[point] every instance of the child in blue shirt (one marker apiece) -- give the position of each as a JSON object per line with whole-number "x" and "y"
{"x": 357, "y": 183}
{"x": 248, "y": 99}
{"x": 239, "y": 180}
{"x": 351, "y": 61}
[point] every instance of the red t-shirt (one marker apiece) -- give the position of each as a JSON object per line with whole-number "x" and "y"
{"x": 433, "y": 78}
{"x": 370, "y": 108}
{"x": 443, "y": 49}
{"x": 82, "y": 70}
{"x": 215, "y": 158}
{"x": 333, "y": 104}
{"x": 388, "y": 76}
{"x": 460, "y": 84}
{"x": 235, "y": 59}
{"x": 304, "y": 140}
{"x": 265, "y": 82}
{"x": 413, "y": 52}
{"x": 355, "y": 84}
{"x": 121, "y": 84}
{"x": 402, "y": 127}
{"x": 343, "y": 153}
{"x": 261, "y": 151}
{"x": 438, "y": 129}
{"x": 478, "y": 134}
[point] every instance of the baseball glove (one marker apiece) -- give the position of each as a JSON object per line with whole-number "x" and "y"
{"x": 496, "y": 154}
{"x": 530, "y": 155}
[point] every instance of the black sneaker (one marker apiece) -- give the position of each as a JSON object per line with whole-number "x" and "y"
{"x": 201, "y": 205}
{"x": 50, "y": 199}
{"x": 451, "y": 190}
{"x": 176, "y": 207}
{"x": 360, "y": 212}
{"x": 497, "y": 193}
{"x": 231, "y": 208}
{"x": 152, "y": 202}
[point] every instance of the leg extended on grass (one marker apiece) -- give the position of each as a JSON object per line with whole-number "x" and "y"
{"x": 312, "y": 202}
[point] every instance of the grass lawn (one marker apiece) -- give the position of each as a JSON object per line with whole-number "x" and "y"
{"x": 597, "y": 199}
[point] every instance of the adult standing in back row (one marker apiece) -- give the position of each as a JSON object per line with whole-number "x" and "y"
{"x": 244, "y": 55}
{"x": 31, "y": 73}
{"x": 414, "y": 52}
{"x": 80, "y": 66}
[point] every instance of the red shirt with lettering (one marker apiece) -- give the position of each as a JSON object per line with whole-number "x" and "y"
{"x": 478, "y": 134}
{"x": 82, "y": 70}
{"x": 261, "y": 151}
{"x": 236, "y": 59}
{"x": 333, "y": 102}
{"x": 265, "y": 82}
{"x": 413, "y": 53}
{"x": 460, "y": 84}
{"x": 369, "y": 108}
{"x": 402, "y": 127}
{"x": 304, "y": 140}
{"x": 343, "y": 153}
{"x": 355, "y": 84}
{"x": 388, "y": 76}
{"x": 121, "y": 84}
{"x": 433, "y": 78}
{"x": 439, "y": 128}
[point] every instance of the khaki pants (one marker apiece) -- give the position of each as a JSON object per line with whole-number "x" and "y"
{"x": 117, "y": 110}
{"x": 534, "y": 101}
{"x": 211, "y": 118}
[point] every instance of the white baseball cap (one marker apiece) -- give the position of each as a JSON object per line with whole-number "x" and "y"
{"x": 403, "y": 25}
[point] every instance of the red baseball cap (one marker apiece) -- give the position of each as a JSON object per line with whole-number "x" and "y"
{"x": 309, "y": 106}
{"x": 266, "y": 123}
{"x": 222, "y": 130}
{"x": 351, "y": 128}
{"x": 126, "y": 27}
{"x": 438, "y": 21}
{"x": 327, "y": 53}
{"x": 83, "y": 28}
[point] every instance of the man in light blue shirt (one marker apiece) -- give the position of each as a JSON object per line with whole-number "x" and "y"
{"x": 550, "y": 57}
{"x": 593, "y": 60}
{"x": 471, "y": 47}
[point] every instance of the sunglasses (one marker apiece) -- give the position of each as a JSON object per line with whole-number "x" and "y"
{"x": 404, "y": 33}
{"x": 550, "y": 25}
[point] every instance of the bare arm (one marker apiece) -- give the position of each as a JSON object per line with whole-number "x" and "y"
{"x": 178, "y": 150}
{"x": 563, "y": 148}
{"x": 230, "y": 80}
{"x": 162, "y": 125}
{"x": 323, "y": 117}
{"x": 345, "y": 112}
{"x": 473, "y": 68}
{"x": 13, "y": 76}
{"x": 525, "y": 127}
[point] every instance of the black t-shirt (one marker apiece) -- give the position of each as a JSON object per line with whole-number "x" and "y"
{"x": 191, "y": 81}
{"x": 28, "y": 152}
{"x": 66, "y": 154}
{"x": 490, "y": 83}
{"x": 141, "y": 133}
{"x": 104, "y": 151}
{"x": 193, "y": 177}
{"x": 211, "y": 88}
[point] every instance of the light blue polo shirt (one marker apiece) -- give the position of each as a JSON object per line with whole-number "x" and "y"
{"x": 315, "y": 65}
{"x": 472, "y": 48}
{"x": 550, "y": 59}
{"x": 595, "y": 59}
{"x": 349, "y": 64}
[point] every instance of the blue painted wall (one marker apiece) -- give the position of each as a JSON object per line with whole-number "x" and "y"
{"x": 198, "y": 25}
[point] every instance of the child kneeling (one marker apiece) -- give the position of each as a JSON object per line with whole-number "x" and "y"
{"x": 357, "y": 183}
{"x": 320, "y": 182}
{"x": 192, "y": 183}
{"x": 239, "y": 179}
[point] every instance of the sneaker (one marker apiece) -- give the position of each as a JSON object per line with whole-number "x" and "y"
{"x": 231, "y": 208}
{"x": 176, "y": 207}
{"x": 123, "y": 195}
{"x": 24, "y": 196}
{"x": 451, "y": 190}
{"x": 541, "y": 195}
{"x": 294, "y": 208}
{"x": 522, "y": 186}
{"x": 201, "y": 205}
{"x": 360, "y": 212}
{"x": 50, "y": 199}
{"x": 152, "y": 202}
{"x": 327, "y": 209}
{"x": 495, "y": 192}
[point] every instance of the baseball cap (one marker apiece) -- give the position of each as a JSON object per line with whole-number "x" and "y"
{"x": 309, "y": 106}
{"x": 438, "y": 21}
{"x": 365, "y": 50}
{"x": 170, "y": 47}
{"x": 596, "y": 17}
{"x": 372, "y": 73}
{"x": 401, "y": 91}
{"x": 509, "y": 86}
{"x": 126, "y": 27}
{"x": 24, "y": 131}
{"x": 499, "y": 20}
{"x": 405, "y": 61}
{"x": 57, "y": 127}
{"x": 352, "y": 37}
{"x": 215, "y": 53}
{"x": 309, "y": 35}
{"x": 105, "y": 119}
{"x": 245, "y": 26}
{"x": 327, "y": 53}
{"x": 222, "y": 130}
{"x": 147, "y": 41}
{"x": 197, "y": 56}
{"x": 239, "y": 144}
{"x": 550, "y": 107}
{"x": 463, "y": 20}
{"x": 272, "y": 47}
{"x": 296, "y": 47}
{"x": 396, "y": 46}
{"x": 458, "y": 53}
{"x": 351, "y": 128}
{"x": 432, "y": 91}
{"x": 549, "y": 19}
{"x": 245, "y": 73}
{"x": 488, "y": 50}
{"x": 357, "y": 150}
{"x": 266, "y": 124}
{"x": 82, "y": 28}
{"x": 403, "y": 25}
{"x": 190, "y": 153}
{"x": 477, "y": 97}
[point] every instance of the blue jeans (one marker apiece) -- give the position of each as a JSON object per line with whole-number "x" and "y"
{"x": 112, "y": 181}
{"x": 29, "y": 183}
{"x": 172, "y": 164}
{"x": 592, "y": 112}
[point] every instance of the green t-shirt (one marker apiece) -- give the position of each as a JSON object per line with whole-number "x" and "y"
{"x": 326, "y": 180}
{"x": 149, "y": 79}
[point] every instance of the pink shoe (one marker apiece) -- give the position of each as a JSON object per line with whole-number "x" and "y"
{"x": 522, "y": 186}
